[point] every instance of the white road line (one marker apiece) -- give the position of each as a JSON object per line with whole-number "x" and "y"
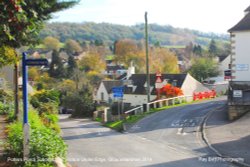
{"x": 179, "y": 131}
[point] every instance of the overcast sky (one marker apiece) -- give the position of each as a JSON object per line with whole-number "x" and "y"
{"x": 204, "y": 15}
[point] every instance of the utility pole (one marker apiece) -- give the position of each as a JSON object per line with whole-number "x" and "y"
{"x": 147, "y": 62}
{"x": 16, "y": 98}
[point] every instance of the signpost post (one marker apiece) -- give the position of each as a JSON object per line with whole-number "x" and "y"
{"x": 118, "y": 93}
{"x": 26, "y": 127}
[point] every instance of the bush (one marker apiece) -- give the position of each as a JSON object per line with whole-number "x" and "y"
{"x": 45, "y": 96}
{"x": 45, "y": 143}
{"x": 82, "y": 104}
{"x": 4, "y": 108}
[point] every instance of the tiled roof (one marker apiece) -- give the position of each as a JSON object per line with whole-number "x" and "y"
{"x": 139, "y": 80}
{"x": 242, "y": 25}
{"x": 115, "y": 68}
{"x": 109, "y": 84}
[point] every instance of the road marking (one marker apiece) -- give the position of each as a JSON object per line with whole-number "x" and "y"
{"x": 135, "y": 127}
{"x": 179, "y": 131}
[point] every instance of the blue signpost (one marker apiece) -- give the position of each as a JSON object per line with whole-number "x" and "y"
{"x": 118, "y": 93}
{"x": 26, "y": 127}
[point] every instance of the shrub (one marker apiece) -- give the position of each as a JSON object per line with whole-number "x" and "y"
{"x": 45, "y": 143}
{"x": 44, "y": 96}
{"x": 81, "y": 102}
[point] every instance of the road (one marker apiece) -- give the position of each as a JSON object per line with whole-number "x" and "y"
{"x": 169, "y": 138}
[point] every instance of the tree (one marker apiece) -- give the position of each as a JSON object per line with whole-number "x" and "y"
{"x": 51, "y": 43}
{"x": 203, "y": 67}
{"x": 164, "y": 60}
{"x": 71, "y": 65}
{"x": 81, "y": 102}
{"x": 72, "y": 47}
{"x": 125, "y": 50}
{"x": 21, "y": 20}
{"x": 212, "y": 49}
{"x": 197, "y": 50}
{"x": 170, "y": 91}
{"x": 66, "y": 86}
{"x": 56, "y": 69}
{"x": 92, "y": 62}
{"x": 7, "y": 56}
{"x": 33, "y": 73}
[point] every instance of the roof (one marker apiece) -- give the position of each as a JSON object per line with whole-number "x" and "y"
{"x": 115, "y": 68}
{"x": 243, "y": 24}
{"x": 109, "y": 84}
{"x": 139, "y": 80}
{"x": 247, "y": 9}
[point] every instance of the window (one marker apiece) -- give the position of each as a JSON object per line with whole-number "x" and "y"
{"x": 102, "y": 96}
{"x": 174, "y": 83}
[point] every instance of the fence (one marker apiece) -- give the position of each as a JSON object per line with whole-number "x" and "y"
{"x": 168, "y": 102}
{"x": 204, "y": 95}
{"x": 159, "y": 103}
{"x": 135, "y": 111}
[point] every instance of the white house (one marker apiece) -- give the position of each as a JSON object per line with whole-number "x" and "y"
{"x": 239, "y": 94}
{"x": 240, "y": 39}
{"x": 135, "y": 87}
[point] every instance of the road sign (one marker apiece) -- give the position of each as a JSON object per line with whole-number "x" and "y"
{"x": 26, "y": 126}
{"x": 36, "y": 62}
{"x": 237, "y": 93}
{"x": 118, "y": 91}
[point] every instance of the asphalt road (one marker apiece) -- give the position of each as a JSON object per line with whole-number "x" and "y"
{"x": 168, "y": 138}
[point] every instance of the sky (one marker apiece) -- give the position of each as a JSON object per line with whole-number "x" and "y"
{"x": 204, "y": 15}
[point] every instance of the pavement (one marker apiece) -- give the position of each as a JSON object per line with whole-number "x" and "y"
{"x": 169, "y": 138}
{"x": 3, "y": 124}
{"x": 229, "y": 139}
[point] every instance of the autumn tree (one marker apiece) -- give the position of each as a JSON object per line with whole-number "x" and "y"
{"x": 72, "y": 46}
{"x": 7, "y": 56}
{"x": 170, "y": 91}
{"x": 91, "y": 62}
{"x": 161, "y": 59}
{"x": 125, "y": 51}
{"x": 51, "y": 43}
{"x": 33, "y": 73}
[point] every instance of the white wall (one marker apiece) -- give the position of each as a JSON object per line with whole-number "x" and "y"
{"x": 136, "y": 100}
{"x": 242, "y": 55}
{"x": 224, "y": 65}
{"x": 101, "y": 90}
{"x": 191, "y": 85}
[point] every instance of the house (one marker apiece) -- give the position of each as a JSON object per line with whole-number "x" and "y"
{"x": 104, "y": 92}
{"x": 239, "y": 86}
{"x": 135, "y": 87}
{"x": 219, "y": 83}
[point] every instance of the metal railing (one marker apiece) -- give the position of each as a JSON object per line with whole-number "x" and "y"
{"x": 137, "y": 110}
{"x": 169, "y": 101}
{"x": 160, "y": 103}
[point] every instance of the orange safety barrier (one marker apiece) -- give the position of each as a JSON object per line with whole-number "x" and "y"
{"x": 204, "y": 95}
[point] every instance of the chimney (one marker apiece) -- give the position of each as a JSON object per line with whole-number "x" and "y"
{"x": 131, "y": 70}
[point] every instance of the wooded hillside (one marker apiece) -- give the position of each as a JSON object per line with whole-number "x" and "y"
{"x": 108, "y": 33}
